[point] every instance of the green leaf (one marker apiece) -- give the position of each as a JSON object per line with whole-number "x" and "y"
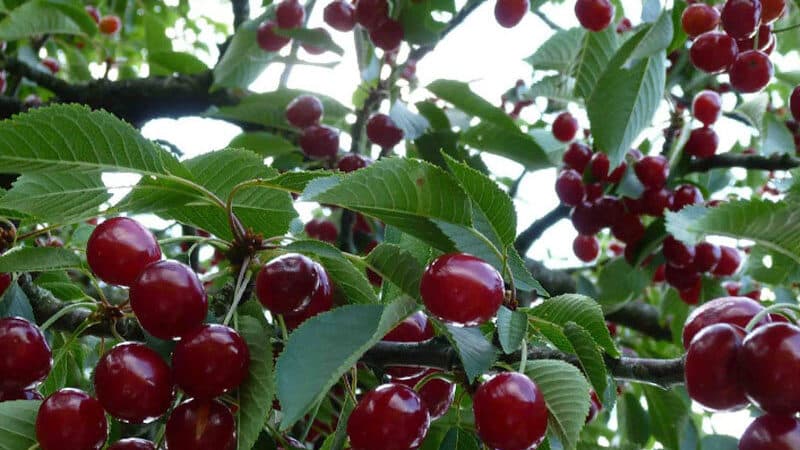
{"x": 667, "y": 411}
{"x": 39, "y": 259}
{"x": 579, "y": 309}
{"x": 719, "y": 442}
{"x": 589, "y": 356}
{"x": 458, "y": 439}
{"x": 313, "y": 37}
{"x": 243, "y": 60}
{"x": 634, "y": 422}
{"x": 57, "y": 197}
{"x": 509, "y": 143}
{"x": 310, "y": 365}
{"x": 68, "y": 359}
{"x": 559, "y": 51}
{"x": 412, "y": 124}
{"x": 155, "y": 31}
{"x": 476, "y": 353}
{"x": 419, "y": 26}
{"x": 462, "y": 97}
{"x": 263, "y": 143}
{"x": 754, "y": 110}
{"x": 18, "y": 424}
{"x": 170, "y": 62}
{"x": 255, "y": 394}
{"x": 596, "y": 51}
{"x": 269, "y": 109}
{"x": 780, "y": 271}
{"x": 44, "y": 17}
{"x": 398, "y": 266}
{"x": 618, "y": 283}
{"x": 776, "y": 138}
{"x": 657, "y": 38}
{"x": 566, "y": 394}
{"x": 523, "y": 280}
{"x": 556, "y": 87}
{"x": 14, "y": 303}
{"x": 512, "y": 327}
{"x": 77, "y": 65}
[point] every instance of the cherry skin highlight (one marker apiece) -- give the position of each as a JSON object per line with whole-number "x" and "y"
{"x": 731, "y": 310}
{"x": 652, "y": 171}
{"x": 677, "y": 253}
{"x": 771, "y": 432}
{"x": 132, "y": 444}
{"x": 437, "y": 394}
{"x": 352, "y": 162}
{"x": 699, "y": 18}
{"x": 772, "y": 10}
{"x": 740, "y": 18}
{"x": 382, "y": 131}
{"x": 713, "y": 52}
{"x": 340, "y": 15}
{"x": 729, "y": 262}
{"x": 304, "y": 111}
{"x": 706, "y": 257}
{"x": 594, "y": 15}
{"x": 769, "y": 362}
{"x": 321, "y": 301}
{"x": 686, "y": 195}
{"x": 119, "y": 249}
{"x": 565, "y": 127}
{"x": 71, "y": 420}
{"x": 510, "y": 412}
{"x": 390, "y": 417}
{"x": 751, "y": 71}
{"x": 319, "y": 142}
{"x": 586, "y": 248}
{"x": 286, "y": 283}
{"x": 210, "y": 361}
{"x": 25, "y": 356}
{"x": 712, "y": 370}
{"x": 707, "y": 105}
{"x": 569, "y": 187}
{"x": 201, "y": 425}
{"x": 577, "y": 156}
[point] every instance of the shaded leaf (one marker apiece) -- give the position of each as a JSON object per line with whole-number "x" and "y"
{"x": 579, "y": 309}
{"x": 512, "y": 327}
{"x": 566, "y": 394}
{"x": 255, "y": 394}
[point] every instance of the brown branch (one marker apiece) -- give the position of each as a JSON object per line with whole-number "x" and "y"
{"x": 756, "y": 162}
{"x": 526, "y": 239}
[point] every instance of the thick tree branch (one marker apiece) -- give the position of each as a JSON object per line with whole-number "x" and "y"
{"x": 757, "y": 162}
{"x": 526, "y": 239}
{"x": 9, "y": 106}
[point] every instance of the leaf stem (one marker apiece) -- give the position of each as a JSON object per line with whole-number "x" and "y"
{"x": 787, "y": 28}
{"x": 63, "y": 311}
{"x": 777, "y": 308}
{"x": 241, "y": 286}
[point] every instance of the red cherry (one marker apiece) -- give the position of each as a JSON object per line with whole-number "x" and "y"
{"x": 594, "y": 191}
{"x": 5, "y": 282}
{"x": 732, "y": 310}
{"x": 594, "y": 15}
{"x": 27, "y": 394}
{"x": 712, "y": 370}
{"x": 707, "y": 105}
{"x": 370, "y": 13}
{"x": 565, "y": 127}
{"x": 740, "y": 18}
{"x": 133, "y": 444}
{"x": 772, "y": 10}
{"x": 93, "y": 13}
{"x": 728, "y": 263}
{"x": 763, "y": 36}
{"x": 390, "y": 417}
{"x": 415, "y": 328}
{"x": 569, "y": 187}
{"x": 509, "y": 13}
{"x": 681, "y": 279}
{"x": 629, "y": 229}
{"x": 609, "y": 210}
{"x": 769, "y": 362}
{"x": 771, "y": 432}
{"x": 691, "y": 296}
{"x": 168, "y": 299}
{"x": 268, "y": 40}
{"x": 655, "y": 201}
{"x": 110, "y": 24}
{"x": 510, "y": 412}
{"x": 52, "y": 65}
{"x": 71, "y": 420}
{"x": 624, "y": 25}
{"x": 340, "y": 15}
{"x": 305, "y": 110}
{"x": 685, "y": 195}
{"x": 320, "y": 142}
{"x": 290, "y": 14}
{"x": 119, "y": 249}
{"x": 25, "y": 357}
{"x": 321, "y": 301}
{"x": 652, "y": 171}
{"x": 702, "y": 142}
{"x": 352, "y": 162}
{"x": 323, "y": 230}
{"x": 210, "y": 361}
{"x": 388, "y": 35}
{"x": 586, "y": 248}
{"x": 201, "y": 425}
{"x": 706, "y": 256}
{"x": 577, "y": 156}
{"x": 616, "y": 176}
{"x": 677, "y": 253}
{"x": 586, "y": 220}
{"x": 462, "y": 289}
{"x": 751, "y": 71}
{"x": 382, "y": 131}
{"x": 436, "y": 394}
{"x": 699, "y": 18}
{"x": 794, "y": 103}
{"x": 595, "y": 406}
{"x": 599, "y": 166}
{"x": 659, "y": 274}
{"x": 713, "y": 52}
{"x": 285, "y": 284}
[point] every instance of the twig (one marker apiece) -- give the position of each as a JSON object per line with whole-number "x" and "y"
{"x": 241, "y": 12}
{"x": 543, "y": 17}
{"x": 287, "y": 69}
{"x": 538, "y": 227}
{"x": 756, "y": 162}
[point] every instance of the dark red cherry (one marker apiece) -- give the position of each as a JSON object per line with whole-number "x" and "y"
{"x": 732, "y": 310}
{"x": 133, "y": 383}
{"x": 133, "y": 444}
{"x": 681, "y": 279}
{"x": 304, "y": 111}
{"x": 577, "y": 156}
{"x": 728, "y": 263}
{"x": 685, "y": 195}
{"x": 5, "y": 282}
{"x": 168, "y": 299}
{"x": 760, "y": 41}
{"x": 772, "y": 10}
{"x": 321, "y": 301}
{"x": 586, "y": 220}
{"x": 706, "y": 256}
{"x": 624, "y": 25}
{"x": 659, "y": 275}
{"x": 436, "y": 394}
{"x": 462, "y": 289}
{"x": 415, "y": 328}
{"x": 509, "y": 13}
{"x": 268, "y": 40}
{"x": 595, "y": 406}
{"x": 594, "y": 191}
{"x": 599, "y": 166}
{"x": 290, "y": 14}
{"x": 109, "y": 24}
{"x": 794, "y": 103}
{"x": 388, "y": 35}
{"x": 609, "y": 210}
{"x": 382, "y": 131}
{"x": 691, "y": 295}
{"x": 594, "y": 15}
{"x": 713, "y": 52}
{"x": 340, "y": 15}
{"x": 656, "y": 200}
{"x": 285, "y": 284}
{"x": 323, "y": 230}
{"x": 740, "y": 18}
{"x": 210, "y": 361}
{"x": 119, "y": 249}
{"x": 370, "y": 13}
{"x": 712, "y": 368}
{"x": 769, "y": 362}
{"x": 629, "y": 229}
{"x": 71, "y": 420}
{"x": 677, "y": 253}
{"x": 201, "y": 425}
{"x": 565, "y": 127}
{"x": 652, "y": 171}
{"x": 751, "y": 71}
{"x": 390, "y": 417}
{"x": 510, "y": 412}
{"x": 352, "y": 162}
{"x": 25, "y": 357}
{"x": 707, "y": 105}
{"x": 771, "y": 432}
{"x": 586, "y": 248}
{"x": 569, "y": 187}
{"x": 92, "y": 12}
{"x": 616, "y": 175}
{"x": 320, "y": 142}
{"x": 27, "y": 394}
{"x": 52, "y": 65}
{"x": 699, "y": 18}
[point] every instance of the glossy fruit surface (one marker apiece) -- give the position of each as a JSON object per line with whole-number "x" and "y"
{"x": 119, "y": 249}
{"x": 510, "y": 413}
{"x": 677, "y": 253}
{"x": 268, "y": 40}
{"x": 109, "y": 24}
{"x": 751, "y": 71}
{"x": 707, "y": 105}
{"x": 771, "y": 432}
{"x": 462, "y": 289}
{"x": 729, "y": 262}
{"x": 569, "y": 187}
{"x": 629, "y": 229}
{"x": 304, "y": 111}
{"x": 509, "y": 13}
{"x": 565, "y": 127}
{"x": 586, "y": 248}
{"x": 320, "y": 142}
{"x": 25, "y": 357}
{"x": 680, "y": 278}
{"x": 794, "y": 103}
{"x": 387, "y": 35}
{"x": 731, "y": 310}
{"x": 340, "y": 15}
{"x": 652, "y": 171}
{"x": 769, "y": 362}
{"x": 686, "y": 195}
{"x": 577, "y": 156}
{"x": 712, "y": 368}
{"x": 71, "y": 420}
{"x": 594, "y": 15}
{"x": 352, "y": 162}
{"x": 210, "y": 361}
{"x": 290, "y": 14}
{"x": 713, "y": 52}
{"x": 702, "y": 142}
{"x": 132, "y": 444}
{"x": 321, "y": 301}
{"x": 382, "y": 131}
{"x": 414, "y": 328}
{"x": 390, "y": 417}
{"x": 585, "y": 218}
{"x": 691, "y": 295}
{"x": 168, "y": 299}
{"x": 699, "y": 18}
{"x": 285, "y": 284}
{"x": 133, "y": 383}
{"x": 740, "y": 18}
{"x": 201, "y": 425}
{"x": 436, "y": 394}
{"x": 656, "y": 200}
{"x": 706, "y": 256}
{"x": 599, "y": 166}
{"x": 772, "y": 10}
{"x": 370, "y": 13}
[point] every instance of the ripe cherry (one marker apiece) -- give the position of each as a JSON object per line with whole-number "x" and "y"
{"x": 320, "y": 142}
{"x": 304, "y": 111}
{"x": 290, "y": 14}
{"x": 352, "y": 162}
{"x": 652, "y": 171}
{"x": 321, "y": 301}
{"x": 691, "y": 295}
{"x": 771, "y": 432}
{"x": 685, "y": 195}
{"x": 201, "y": 425}
{"x": 110, "y": 24}
{"x": 586, "y": 248}
{"x": 740, "y": 18}
{"x": 268, "y": 40}
{"x": 731, "y": 310}
{"x": 794, "y": 103}
{"x": 210, "y": 361}
{"x": 586, "y": 219}
{"x": 370, "y": 13}
{"x": 462, "y": 289}
{"x": 387, "y": 35}
{"x": 772, "y": 10}
{"x": 5, "y": 282}
{"x": 681, "y": 279}
{"x": 27, "y": 394}
{"x": 655, "y": 200}
{"x": 390, "y": 417}
{"x": 510, "y": 412}
{"x": 25, "y": 357}
{"x": 71, "y": 420}
{"x": 509, "y": 13}
{"x": 577, "y": 156}
{"x": 728, "y": 263}
{"x": 565, "y": 127}
{"x": 119, "y": 249}
{"x": 415, "y": 328}
{"x": 133, "y": 383}
{"x": 713, "y": 52}
{"x": 599, "y": 166}
{"x": 707, "y": 105}
{"x": 659, "y": 274}
{"x": 594, "y": 191}
{"x": 594, "y": 15}
{"x": 734, "y": 288}
{"x": 323, "y": 230}
{"x": 751, "y": 71}
{"x": 677, "y": 253}
{"x": 595, "y": 406}
{"x": 699, "y": 18}
{"x": 132, "y": 444}
{"x": 436, "y": 394}
{"x": 93, "y": 13}
{"x": 285, "y": 284}
{"x": 760, "y": 41}
{"x": 340, "y": 15}
{"x": 168, "y": 299}
{"x": 569, "y": 187}
{"x": 706, "y": 256}
{"x": 624, "y": 25}
{"x": 609, "y": 210}
{"x": 616, "y": 175}
{"x": 712, "y": 368}
{"x": 629, "y": 229}
{"x": 382, "y": 131}
{"x": 769, "y": 362}
{"x": 52, "y": 65}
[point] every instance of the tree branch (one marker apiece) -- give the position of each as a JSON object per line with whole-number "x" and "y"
{"x": 241, "y": 12}
{"x": 526, "y": 239}
{"x": 756, "y": 162}
{"x": 420, "y": 52}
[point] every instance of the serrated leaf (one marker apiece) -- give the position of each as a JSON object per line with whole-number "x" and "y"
{"x": 523, "y": 280}
{"x": 667, "y": 411}
{"x": 317, "y": 38}
{"x": 618, "y": 283}
{"x": 559, "y": 51}
{"x": 461, "y": 96}
{"x": 263, "y": 143}
{"x": 39, "y": 259}
{"x": 776, "y": 137}
{"x": 555, "y": 87}
{"x": 458, "y": 439}
{"x": 512, "y": 327}
{"x": 583, "y": 311}
{"x": 68, "y": 356}
{"x": 318, "y": 353}
{"x": 754, "y": 109}
{"x": 780, "y": 271}
{"x": 509, "y": 143}
{"x": 18, "y": 424}
{"x": 566, "y": 394}
{"x": 596, "y": 51}
{"x": 398, "y": 266}
{"x": 657, "y": 38}
{"x": 57, "y": 197}
{"x": 243, "y": 60}
{"x": 14, "y": 303}
{"x": 476, "y": 353}
{"x": 588, "y": 355}
{"x": 634, "y": 422}
{"x": 554, "y": 333}
{"x": 45, "y": 17}
{"x": 412, "y": 124}
{"x": 170, "y": 62}
{"x": 255, "y": 394}
{"x": 269, "y": 109}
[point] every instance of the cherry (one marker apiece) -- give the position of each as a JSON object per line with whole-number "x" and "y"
{"x": 599, "y": 166}
{"x": 728, "y": 263}
{"x": 764, "y": 37}
{"x": 436, "y": 394}
{"x": 133, "y": 383}
{"x": 132, "y": 444}
{"x": 352, "y": 162}
{"x": 677, "y": 253}
{"x": 711, "y": 368}
{"x": 794, "y": 103}
{"x": 290, "y": 14}
{"x": 707, "y": 105}
{"x": 706, "y": 256}
{"x": 751, "y": 71}
{"x": 680, "y": 278}
{"x": 510, "y": 412}
{"x": 595, "y": 406}
{"x": 27, "y": 394}
{"x": 616, "y": 176}
{"x": 415, "y": 328}
{"x": 381, "y": 130}
{"x": 733, "y": 288}
{"x": 655, "y": 200}
{"x": 699, "y": 18}
{"x": 772, "y": 10}
{"x": 577, "y": 156}
{"x": 624, "y": 25}
{"x": 586, "y": 220}
{"x": 594, "y": 15}
{"x": 569, "y": 187}
{"x": 732, "y": 310}
{"x": 594, "y": 191}
{"x": 609, "y": 210}
{"x": 629, "y": 229}
{"x": 565, "y": 127}
{"x": 285, "y": 284}
{"x": 268, "y": 40}
{"x": 685, "y": 195}
{"x": 119, "y": 249}
{"x": 771, "y": 432}
{"x": 52, "y": 65}
{"x": 740, "y": 18}
{"x": 109, "y": 24}
{"x": 713, "y": 52}
{"x": 321, "y": 301}
{"x": 340, "y": 15}
{"x": 323, "y": 230}
{"x": 210, "y": 361}
{"x": 201, "y": 425}
{"x": 320, "y": 142}
{"x": 769, "y": 362}
{"x": 586, "y": 248}
{"x": 25, "y": 357}
{"x": 370, "y": 13}
{"x": 390, "y": 417}
{"x": 659, "y": 274}
{"x": 509, "y": 13}
{"x": 462, "y": 289}
{"x": 71, "y": 420}
{"x": 168, "y": 299}
{"x": 93, "y": 13}
{"x": 652, "y": 171}
{"x": 691, "y": 295}
{"x": 305, "y": 110}
{"x": 388, "y": 35}
{"x": 5, "y": 282}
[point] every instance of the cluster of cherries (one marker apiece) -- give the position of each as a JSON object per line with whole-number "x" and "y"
{"x": 289, "y": 14}
{"x": 703, "y": 141}
{"x": 729, "y": 366}
{"x": 109, "y": 24}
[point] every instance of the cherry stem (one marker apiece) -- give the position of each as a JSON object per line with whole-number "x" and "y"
{"x": 434, "y": 376}
{"x": 219, "y": 243}
{"x": 241, "y": 286}
{"x": 778, "y": 308}
{"x": 523, "y": 361}
{"x": 36, "y": 233}
{"x": 63, "y": 311}
{"x": 789, "y": 28}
